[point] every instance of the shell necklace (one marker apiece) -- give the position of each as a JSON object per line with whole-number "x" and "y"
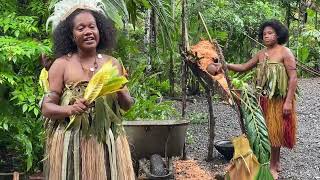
{"x": 92, "y": 69}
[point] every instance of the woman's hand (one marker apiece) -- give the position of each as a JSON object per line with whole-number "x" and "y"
{"x": 124, "y": 99}
{"x": 215, "y": 68}
{"x": 79, "y": 107}
{"x": 287, "y": 108}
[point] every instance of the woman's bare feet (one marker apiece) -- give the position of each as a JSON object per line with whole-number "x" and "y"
{"x": 274, "y": 174}
{"x": 278, "y": 167}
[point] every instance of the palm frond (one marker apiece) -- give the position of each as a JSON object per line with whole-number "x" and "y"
{"x": 257, "y": 132}
{"x": 255, "y": 126}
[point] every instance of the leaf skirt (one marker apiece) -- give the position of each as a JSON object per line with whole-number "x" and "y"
{"x": 281, "y": 130}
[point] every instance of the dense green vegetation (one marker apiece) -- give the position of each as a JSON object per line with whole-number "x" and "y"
{"x": 149, "y": 35}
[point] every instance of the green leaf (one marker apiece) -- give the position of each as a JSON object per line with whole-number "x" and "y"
{"x": 16, "y": 33}
{"x": 145, "y": 3}
{"x": 24, "y": 108}
{"x": 113, "y": 13}
{"x": 311, "y": 13}
{"x": 5, "y": 28}
{"x": 36, "y": 111}
{"x": 303, "y": 53}
{"x": 5, "y": 126}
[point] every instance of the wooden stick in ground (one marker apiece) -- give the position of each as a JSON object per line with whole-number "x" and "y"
{"x": 235, "y": 105}
{"x": 185, "y": 47}
{"x": 184, "y": 96}
{"x": 212, "y": 123}
{"x": 224, "y": 66}
{"x": 207, "y": 84}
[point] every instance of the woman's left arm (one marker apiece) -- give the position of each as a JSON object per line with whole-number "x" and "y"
{"x": 124, "y": 98}
{"x": 290, "y": 65}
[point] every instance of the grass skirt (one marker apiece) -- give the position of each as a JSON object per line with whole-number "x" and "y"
{"x": 69, "y": 156}
{"x": 281, "y": 129}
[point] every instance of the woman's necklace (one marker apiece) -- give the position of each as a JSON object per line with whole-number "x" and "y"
{"x": 93, "y": 68}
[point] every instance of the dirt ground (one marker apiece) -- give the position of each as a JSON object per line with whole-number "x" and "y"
{"x": 301, "y": 163}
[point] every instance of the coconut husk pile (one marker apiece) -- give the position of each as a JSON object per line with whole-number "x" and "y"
{"x": 190, "y": 169}
{"x": 207, "y": 54}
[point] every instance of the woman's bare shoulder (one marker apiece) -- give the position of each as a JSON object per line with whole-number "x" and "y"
{"x": 260, "y": 54}
{"x": 287, "y": 52}
{"x": 58, "y": 64}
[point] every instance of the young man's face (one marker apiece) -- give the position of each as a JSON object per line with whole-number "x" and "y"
{"x": 270, "y": 36}
{"x": 85, "y": 31}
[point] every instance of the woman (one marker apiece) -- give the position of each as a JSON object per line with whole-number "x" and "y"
{"x": 276, "y": 83}
{"x": 102, "y": 152}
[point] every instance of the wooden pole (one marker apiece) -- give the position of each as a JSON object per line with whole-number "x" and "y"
{"x": 185, "y": 48}
{"x": 207, "y": 84}
{"x": 224, "y": 65}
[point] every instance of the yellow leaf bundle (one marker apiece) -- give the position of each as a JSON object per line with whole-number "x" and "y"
{"x": 43, "y": 80}
{"x": 104, "y": 82}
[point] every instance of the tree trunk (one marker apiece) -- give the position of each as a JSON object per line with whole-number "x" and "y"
{"x": 171, "y": 65}
{"x": 153, "y": 30}
{"x": 171, "y": 74}
{"x": 146, "y": 39}
{"x": 152, "y": 39}
{"x": 288, "y": 14}
{"x": 212, "y": 123}
{"x": 303, "y": 12}
{"x": 185, "y": 47}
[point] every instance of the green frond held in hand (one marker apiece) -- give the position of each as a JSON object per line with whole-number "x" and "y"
{"x": 256, "y": 128}
{"x": 257, "y": 131}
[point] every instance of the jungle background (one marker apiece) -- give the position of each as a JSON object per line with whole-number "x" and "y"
{"x": 149, "y": 36}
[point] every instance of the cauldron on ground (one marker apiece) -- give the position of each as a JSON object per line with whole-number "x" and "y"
{"x": 225, "y": 147}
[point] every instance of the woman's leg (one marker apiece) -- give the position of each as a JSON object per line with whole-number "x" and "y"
{"x": 275, "y": 161}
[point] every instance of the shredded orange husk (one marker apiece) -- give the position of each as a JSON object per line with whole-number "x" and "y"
{"x": 207, "y": 53}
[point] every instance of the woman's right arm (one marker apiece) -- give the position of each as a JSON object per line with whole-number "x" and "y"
{"x": 50, "y": 107}
{"x": 244, "y": 67}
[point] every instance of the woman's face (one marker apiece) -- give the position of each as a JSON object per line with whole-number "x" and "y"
{"x": 269, "y": 36}
{"x": 85, "y": 31}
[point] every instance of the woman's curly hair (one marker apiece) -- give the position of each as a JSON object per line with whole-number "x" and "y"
{"x": 63, "y": 36}
{"x": 281, "y": 30}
